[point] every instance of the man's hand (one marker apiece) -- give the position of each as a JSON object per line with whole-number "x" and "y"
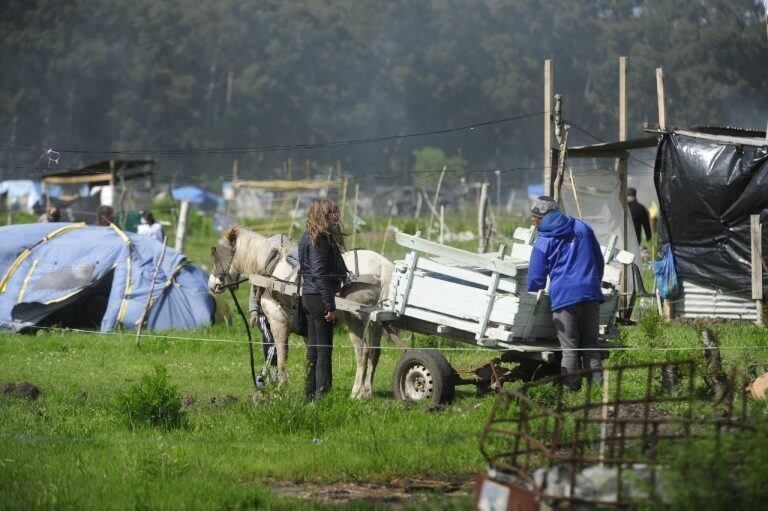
{"x": 254, "y": 319}
{"x": 330, "y": 317}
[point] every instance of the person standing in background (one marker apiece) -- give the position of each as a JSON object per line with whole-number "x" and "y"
{"x": 149, "y": 227}
{"x": 640, "y": 216}
{"x": 105, "y": 215}
{"x": 53, "y": 214}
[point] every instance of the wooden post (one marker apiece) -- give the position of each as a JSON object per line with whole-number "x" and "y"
{"x": 660, "y": 99}
{"x": 442, "y": 224}
{"x": 234, "y": 186}
{"x": 623, "y": 168}
{"x": 343, "y": 199}
{"x": 289, "y": 169}
{"x": 111, "y": 183}
{"x": 548, "y": 85}
{"x": 293, "y": 215}
{"x": 756, "y": 233}
{"x": 434, "y": 204}
{"x": 498, "y": 194}
{"x": 389, "y": 224}
{"x": 230, "y": 83}
{"x": 354, "y": 215}
{"x": 481, "y": 211}
{"x": 181, "y": 232}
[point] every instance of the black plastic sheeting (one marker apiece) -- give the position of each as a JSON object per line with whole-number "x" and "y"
{"x": 707, "y": 192}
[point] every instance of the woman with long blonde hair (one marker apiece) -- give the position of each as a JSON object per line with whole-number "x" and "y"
{"x": 322, "y": 271}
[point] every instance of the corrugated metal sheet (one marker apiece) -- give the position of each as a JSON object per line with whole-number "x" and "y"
{"x": 701, "y": 302}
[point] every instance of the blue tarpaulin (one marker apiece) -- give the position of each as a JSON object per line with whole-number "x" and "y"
{"x": 78, "y": 275}
{"x": 194, "y": 194}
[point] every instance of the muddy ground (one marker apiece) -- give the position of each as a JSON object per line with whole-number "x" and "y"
{"x": 397, "y": 492}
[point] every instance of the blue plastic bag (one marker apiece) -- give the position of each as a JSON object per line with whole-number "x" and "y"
{"x": 666, "y": 276}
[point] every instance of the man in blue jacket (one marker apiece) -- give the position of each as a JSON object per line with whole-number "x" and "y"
{"x": 567, "y": 251}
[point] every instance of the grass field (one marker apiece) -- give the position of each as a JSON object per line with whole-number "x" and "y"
{"x": 73, "y": 448}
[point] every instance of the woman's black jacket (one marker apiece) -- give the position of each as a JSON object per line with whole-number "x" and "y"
{"x": 322, "y": 269}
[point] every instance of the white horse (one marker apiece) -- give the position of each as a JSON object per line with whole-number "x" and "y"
{"x": 254, "y": 253}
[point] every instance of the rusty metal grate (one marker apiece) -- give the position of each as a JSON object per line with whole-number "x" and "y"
{"x": 621, "y": 423}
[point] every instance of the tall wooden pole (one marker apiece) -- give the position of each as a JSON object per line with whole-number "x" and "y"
{"x": 668, "y": 305}
{"x": 442, "y": 224}
{"x": 660, "y": 99}
{"x": 181, "y": 232}
{"x": 623, "y": 170}
{"x": 354, "y": 214}
{"x": 756, "y": 232}
{"x": 481, "y": 211}
{"x": 343, "y": 199}
{"x": 498, "y": 194}
{"x": 548, "y": 87}
{"x": 434, "y": 203}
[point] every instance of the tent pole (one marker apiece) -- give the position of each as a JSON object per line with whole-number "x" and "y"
{"x": 150, "y": 301}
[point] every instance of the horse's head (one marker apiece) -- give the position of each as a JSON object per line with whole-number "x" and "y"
{"x": 243, "y": 252}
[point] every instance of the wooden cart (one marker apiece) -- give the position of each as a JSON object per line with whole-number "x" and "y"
{"x": 478, "y": 299}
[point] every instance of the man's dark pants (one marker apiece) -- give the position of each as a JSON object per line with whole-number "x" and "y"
{"x": 577, "y": 327}
{"x": 319, "y": 347}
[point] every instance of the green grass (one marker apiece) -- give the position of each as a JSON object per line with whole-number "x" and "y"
{"x": 72, "y": 448}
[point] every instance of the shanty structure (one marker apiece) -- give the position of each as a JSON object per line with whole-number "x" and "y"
{"x": 281, "y": 198}
{"x": 122, "y": 184}
{"x": 712, "y": 184}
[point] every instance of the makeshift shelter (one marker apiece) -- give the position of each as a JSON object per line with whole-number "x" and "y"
{"x": 709, "y": 181}
{"x": 122, "y": 184}
{"x": 83, "y": 276}
{"x": 25, "y": 194}
{"x": 203, "y": 199}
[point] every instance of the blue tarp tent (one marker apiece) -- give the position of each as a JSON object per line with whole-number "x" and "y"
{"x": 196, "y": 196}
{"x": 76, "y": 275}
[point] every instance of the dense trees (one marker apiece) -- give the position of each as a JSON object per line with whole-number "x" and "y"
{"x": 148, "y": 75}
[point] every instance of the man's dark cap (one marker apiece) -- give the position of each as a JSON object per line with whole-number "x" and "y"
{"x": 632, "y": 192}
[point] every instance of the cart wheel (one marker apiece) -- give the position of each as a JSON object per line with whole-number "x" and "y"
{"x": 424, "y": 375}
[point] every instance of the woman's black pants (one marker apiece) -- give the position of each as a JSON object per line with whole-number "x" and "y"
{"x": 319, "y": 347}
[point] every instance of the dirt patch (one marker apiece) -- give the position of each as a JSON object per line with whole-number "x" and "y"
{"x": 216, "y": 400}
{"x": 398, "y": 492}
{"x": 23, "y": 390}
{"x": 187, "y": 400}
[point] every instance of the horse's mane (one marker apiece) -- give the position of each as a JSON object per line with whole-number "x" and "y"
{"x": 255, "y": 253}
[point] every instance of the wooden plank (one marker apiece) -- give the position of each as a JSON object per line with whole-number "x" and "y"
{"x": 660, "y": 100}
{"x": 297, "y": 184}
{"x": 548, "y": 89}
{"x": 724, "y": 139}
{"x": 86, "y": 179}
{"x": 506, "y": 285}
{"x": 623, "y": 98}
{"x": 455, "y": 254}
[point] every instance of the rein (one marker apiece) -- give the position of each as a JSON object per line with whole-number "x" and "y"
{"x": 232, "y": 286}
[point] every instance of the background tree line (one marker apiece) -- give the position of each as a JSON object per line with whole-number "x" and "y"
{"x": 168, "y": 74}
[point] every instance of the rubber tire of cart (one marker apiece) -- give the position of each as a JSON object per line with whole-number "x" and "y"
{"x": 443, "y": 375}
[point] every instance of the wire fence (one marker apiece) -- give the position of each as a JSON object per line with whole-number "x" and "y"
{"x": 473, "y": 349}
